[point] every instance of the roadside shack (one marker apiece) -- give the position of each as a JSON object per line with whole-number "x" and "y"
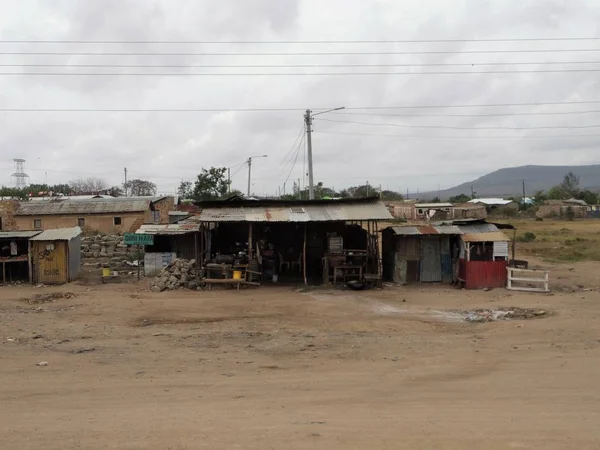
{"x": 14, "y": 255}
{"x": 56, "y": 256}
{"x": 316, "y": 241}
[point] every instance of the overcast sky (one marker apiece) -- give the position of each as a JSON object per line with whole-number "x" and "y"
{"x": 166, "y": 147}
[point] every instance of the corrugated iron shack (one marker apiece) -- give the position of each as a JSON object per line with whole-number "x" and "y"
{"x": 55, "y": 256}
{"x": 14, "y": 255}
{"x": 171, "y": 241}
{"x": 420, "y": 254}
{"x": 469, "y": 253}
{"x": 317, "y": 240}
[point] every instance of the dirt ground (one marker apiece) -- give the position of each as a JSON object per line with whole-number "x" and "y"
{"x": 281, "y": 368}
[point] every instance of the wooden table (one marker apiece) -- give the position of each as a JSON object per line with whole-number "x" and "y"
{"x": 345, "y": 269}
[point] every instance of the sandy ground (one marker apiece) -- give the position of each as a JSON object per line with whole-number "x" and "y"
{"x": 277, "y": 368}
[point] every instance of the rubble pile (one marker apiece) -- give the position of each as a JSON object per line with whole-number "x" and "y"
{"x": 99, "y": 249}
{"x": 493, "y": 315}
{"x": 180, "y": 273}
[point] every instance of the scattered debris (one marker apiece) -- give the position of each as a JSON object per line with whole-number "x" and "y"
{"x": 42, "y": 363}
{"x": 180, "y": 273}
{"x": 10, "y": 339}
{"x": 37, "y": 336}
{"x": 50, "y": 297}
{"x": 83, "y": 350}
{"x": 492, "y": 315}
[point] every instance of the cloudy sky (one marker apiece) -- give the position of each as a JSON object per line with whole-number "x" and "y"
{"x": 390, "y": 147}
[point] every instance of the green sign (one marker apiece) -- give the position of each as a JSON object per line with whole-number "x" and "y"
{"x": 139, "y": 239}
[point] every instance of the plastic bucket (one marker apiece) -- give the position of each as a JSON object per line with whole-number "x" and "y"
{"x": 237, "y": 274}
{"x": 106, "y": 271}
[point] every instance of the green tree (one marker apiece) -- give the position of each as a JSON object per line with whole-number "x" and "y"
{"x": 462, "y": 198}
{"x": 557, "y": 193}
{"x": 591, "y": 198}
{"x": 185, "y": 189}
{"x": 570, "y": 185}
{"x": 140, "y": 188}
{"x": 211, "y": 184}
{"x": 391, "y": 195}
{"x": 115, "y": 191}
{"x": 539, "y": 197}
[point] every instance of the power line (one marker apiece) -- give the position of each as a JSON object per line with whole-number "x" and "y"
{"x": 146, "y": 74}
{"x": 459, "y": 137}
{"x": 470, "y": 115}
{"x": 296, "y": 109}
{"x": 284, "y": 162}
{"x": 425, "y": 52}
{"x": 300, "y": 144}
{"x": 371, "y": 41}
{"x": 448, "y": 127}
{"x": 262, "y": 66}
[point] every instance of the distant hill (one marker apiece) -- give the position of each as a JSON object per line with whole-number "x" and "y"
{"x": 507, "y": 182}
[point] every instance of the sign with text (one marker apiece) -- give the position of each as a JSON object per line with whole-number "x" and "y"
{"x": 139, "y": 239}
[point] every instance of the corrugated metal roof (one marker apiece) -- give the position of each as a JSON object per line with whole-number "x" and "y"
{"x": 93, "y": 206}
{"x": 170, "y": 229}
{"x": 496, "y": 236}
{"x": 433, "y": 205}
{"x": 426, "y": 230}
{"x": 491, "y": 201}
{"x": 308, "y": 213}
{"x": 59, "y": 234}
{"x": 18, "y": 234}
{"x": 478, "y": 228}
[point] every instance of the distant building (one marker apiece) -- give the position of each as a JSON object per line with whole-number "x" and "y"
{"x": 105, "y": 215}
{"x": 572, "y": 208}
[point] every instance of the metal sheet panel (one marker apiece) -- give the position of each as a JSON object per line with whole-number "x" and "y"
{"x": 431, "y": 263}
{"x": 308, "y": 213}
{"x": 406, "y": 231}
{"x": 496, "y": 236}
{"x": 478, "y": 228}
{"x": 483, "y": 274}
{"x": 169, "y": 229}
{"x": 74, "y": 246}
{"x": 58, "y": 234}
{"x": 18, "y": 234}
{"x": 50, "y": 262}
{"x": 500, "y": 249}
{"x": 93, "y": 206}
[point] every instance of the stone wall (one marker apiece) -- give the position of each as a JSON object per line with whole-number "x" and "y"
{"x": 99, "y": 249}
{"x": 7, "y": 214}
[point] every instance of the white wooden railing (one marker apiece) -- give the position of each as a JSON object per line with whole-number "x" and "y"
{"x": 527, "y": 275}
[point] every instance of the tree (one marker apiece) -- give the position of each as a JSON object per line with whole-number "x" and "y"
{"x": 211, "y": 184}
{"x": 185, "y": 189}
{"x": 591, "y": 198}
{"x": 115, "y": 191}
{"x": 88, "y": 185}
{"x": 462, "y": 198}
{"x": 539, "y": 197}
{"x": 391, "y": 195}
{"x": 140, "y": 188}
{"x": 557, "y": 193}
{"x": 570, "y": 185}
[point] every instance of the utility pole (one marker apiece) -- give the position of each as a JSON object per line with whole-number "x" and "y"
{"x": 125, "y": 185}
{"x": 249, "y": 174}
{"x": 406, "y": 193}
{"x": 308, "y": 117}
{"x": 367, "y": 188}
{"x": 250, "y": 170}
{"x": 299, "y": 191}
{"x": 229, "y": 180}
{"x": 472, "y": 193}
{"x": 523, "y": 189}
{"x": 308, "y": 125}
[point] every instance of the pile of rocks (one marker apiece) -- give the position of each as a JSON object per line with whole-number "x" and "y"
{"x": 180, "y": 273}
{"x": 98, "y": 249}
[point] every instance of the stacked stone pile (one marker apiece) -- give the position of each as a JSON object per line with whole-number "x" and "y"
{"x": 99, "y": 249}
{"x": 180, "y": 273}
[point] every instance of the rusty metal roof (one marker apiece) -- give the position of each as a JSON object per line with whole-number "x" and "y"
{"x": 169, "y": 229}
{"x": 58, "y": 234}
{"x": 478, "y": 228}
{"x": 92, "y": 206}
{"x": 426, "y": 230}
{"x": 327, "y": 212}
{"x": 494, "y": 236}
{"x": 18, "y": 234}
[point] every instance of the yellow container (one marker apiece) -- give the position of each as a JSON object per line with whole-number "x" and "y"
{"x": 106, "y": 271}
{"x": 237, "y": 274}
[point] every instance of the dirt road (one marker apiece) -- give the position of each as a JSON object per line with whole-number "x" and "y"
{"x": 277, "y": 368}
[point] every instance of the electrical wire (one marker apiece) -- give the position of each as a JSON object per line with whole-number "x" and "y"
{"x": 302, "y": 109}
{"x": 458, "y": 128}
{"x": 287, "y": 159}
{"x": 422, "y": 52}
{"x": 300, "y": 144}
{"x": 370, "y": 41}
{"x": 459, "y": 137}
{"x": 257, "y": 66}
{"x": 594, "y": 111}
{"x": 266, "y": 74}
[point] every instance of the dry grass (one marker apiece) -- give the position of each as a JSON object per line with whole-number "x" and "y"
{"x": 560, "y": 240}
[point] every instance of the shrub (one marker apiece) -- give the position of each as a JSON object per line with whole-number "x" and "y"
{"x": 539, "y": 219}
{"x": 527, "y": 237}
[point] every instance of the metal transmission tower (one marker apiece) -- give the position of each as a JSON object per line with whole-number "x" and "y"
{"x": 20, "y": 176}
